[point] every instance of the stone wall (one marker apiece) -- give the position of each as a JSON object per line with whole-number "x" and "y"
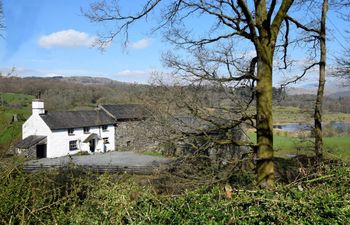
{"x": 147, "y": 135}
{"x": 27, "y": 153}
{"x": 201, "y": 144}
{"x": 30, "y": 152}
{"x": 134, "y": 136}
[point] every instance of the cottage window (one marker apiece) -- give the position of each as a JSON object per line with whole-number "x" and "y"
{"x": 73, "y": 145}
{"x": 105, "y": 141}
{"x": 104, "y": 128}
{"x": 70, "y": 131}
{"x": 86, "y": 130}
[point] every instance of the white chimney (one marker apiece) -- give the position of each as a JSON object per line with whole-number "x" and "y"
{"x": 38, "y": 107}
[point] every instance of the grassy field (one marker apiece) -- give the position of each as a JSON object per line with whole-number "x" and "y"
{"x": 10, "y": 105}
{"x": 283, "y": 115}
{"x": 337, "y": 147}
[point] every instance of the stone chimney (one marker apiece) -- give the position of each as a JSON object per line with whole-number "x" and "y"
{"x": 38, "y": 107}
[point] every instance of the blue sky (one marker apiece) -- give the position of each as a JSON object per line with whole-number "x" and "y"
{"x": 47, "y": 38}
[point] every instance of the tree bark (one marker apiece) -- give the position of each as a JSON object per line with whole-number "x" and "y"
{"x": 265, "y": 165}
{"x": 322, "y": 81}
{"x": 265, "y": 44}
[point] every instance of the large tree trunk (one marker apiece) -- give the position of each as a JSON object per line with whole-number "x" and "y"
{"x": 322, "y": 81}
{"x": 265, "y": 165}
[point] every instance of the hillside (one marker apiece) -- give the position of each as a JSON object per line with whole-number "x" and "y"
{"x": 85, "y": 80}
{"x": 340, "y": 94}
{"x": 69, "y": 93}
{"x": 18, "y": 105}
{"x": 334, "y": 88}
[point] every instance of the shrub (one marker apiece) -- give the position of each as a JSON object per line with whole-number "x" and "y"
{"x": 76, "y": 197}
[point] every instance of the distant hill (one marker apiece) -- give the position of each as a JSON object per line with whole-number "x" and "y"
{"x": 300, "y": 91}
{"x": 334, "y": 88}
{"x": 86, "y": 80}
{"x": 340, "y": 94}
{"x": 70, "y": 93}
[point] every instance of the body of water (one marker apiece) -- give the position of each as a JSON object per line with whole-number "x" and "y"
{"x": 299, "y": 126}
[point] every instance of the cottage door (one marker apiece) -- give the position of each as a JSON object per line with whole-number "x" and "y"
{"x": 41, "y": 151}
{"x": 92, "y": 143}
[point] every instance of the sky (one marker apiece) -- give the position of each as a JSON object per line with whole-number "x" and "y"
{"x": 53, "y": 38}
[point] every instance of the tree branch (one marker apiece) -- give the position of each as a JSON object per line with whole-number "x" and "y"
{"x": 300, "y": 76}
{"x": 299, "y": 25}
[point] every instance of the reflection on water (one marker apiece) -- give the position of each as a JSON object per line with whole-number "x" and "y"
{"x": 299, "y": 127}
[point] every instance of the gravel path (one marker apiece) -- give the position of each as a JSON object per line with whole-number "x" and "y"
{"x": 115, "y": 161}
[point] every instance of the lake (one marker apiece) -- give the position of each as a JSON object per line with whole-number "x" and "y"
{"x": 298, "y": 126}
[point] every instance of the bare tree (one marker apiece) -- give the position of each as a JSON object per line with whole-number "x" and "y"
{"x": 321, "y": 84}
{"x": 317, "y": 36}
{"x": 256, "y": 22}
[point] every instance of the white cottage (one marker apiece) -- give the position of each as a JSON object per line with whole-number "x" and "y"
{"x": 54, "y": 134}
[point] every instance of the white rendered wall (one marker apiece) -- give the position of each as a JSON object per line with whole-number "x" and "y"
{"x": 58, "y": 141}
{"x": 37, "y": 107}
{"x": 35, "y": 125}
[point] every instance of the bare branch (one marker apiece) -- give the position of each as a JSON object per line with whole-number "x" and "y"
{"x": 299, "y": 25}
{"x": 280, "y": 16}
{"x": 285, "y": 45}
{"x": 300, "y": 76}
{"x": 249, "y": 18}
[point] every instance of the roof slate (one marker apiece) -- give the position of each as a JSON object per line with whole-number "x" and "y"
{"x": 30, "y": 141}
{"x": 126, "y": 111}
{"x": 75, "y": 119}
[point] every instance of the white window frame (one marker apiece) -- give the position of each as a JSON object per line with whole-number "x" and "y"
{"x": 70, "y": 131}
{"x": 86, "y": 130}
{"x": 106, "y": 140}
{"x": 104, "y": 128}
{"x": 73, "y": 145}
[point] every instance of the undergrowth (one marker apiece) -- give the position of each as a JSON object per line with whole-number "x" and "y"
{"x": 74, "y": 196}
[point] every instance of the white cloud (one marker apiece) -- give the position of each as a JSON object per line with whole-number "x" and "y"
{"x": 138, "y": 76}
{"x": 143, "y": 43}
{"x": 67, "y": 38}
{"x": 133, "y": 73}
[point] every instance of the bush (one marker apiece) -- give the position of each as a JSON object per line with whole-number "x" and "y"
{"x": 76, "y": 197}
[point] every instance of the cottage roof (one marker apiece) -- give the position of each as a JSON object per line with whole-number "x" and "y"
{"x": 30, "y": 141}
{"x": 75, "y": 119}
{"x": 126, "y": 111}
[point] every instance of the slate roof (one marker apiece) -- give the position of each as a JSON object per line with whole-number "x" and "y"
{"x": 30, "y": 141}
{"x": 75, "y": 119}
{"x": 126, "y": 111}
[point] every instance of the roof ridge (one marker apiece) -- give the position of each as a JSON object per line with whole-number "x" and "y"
{"x": 73, "y": 111}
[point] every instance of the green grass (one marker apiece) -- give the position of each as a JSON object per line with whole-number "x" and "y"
{"x": 11, "y": 132}
{"x": 287, "y": 114}
{"x": 335, "y": 147}
{"x": 283, "y": 114}
{"x": 338, "y": 147}
{"x": 152, "y": 153}
{"x": 12, "y": 99}
{"x": 11, "y": 104}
